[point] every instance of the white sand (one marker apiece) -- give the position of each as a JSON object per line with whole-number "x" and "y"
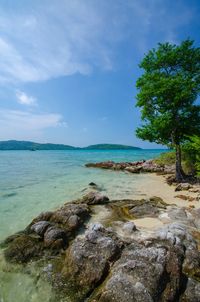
{"x": 155, "y": 185}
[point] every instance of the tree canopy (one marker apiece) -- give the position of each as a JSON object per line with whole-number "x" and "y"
{"x": 168, "y": 92}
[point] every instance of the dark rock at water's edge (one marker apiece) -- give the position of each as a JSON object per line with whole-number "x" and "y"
{"x": 112, "y": 259}
{"x": 134, "y": 167}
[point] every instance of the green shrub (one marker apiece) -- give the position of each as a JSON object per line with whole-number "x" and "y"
{"x": 167, "y": 158}
{"x": 191, "y": 151}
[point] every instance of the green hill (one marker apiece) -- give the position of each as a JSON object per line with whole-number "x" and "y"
{"x": 111, "y": 147}
{"x": 26, "y": 145}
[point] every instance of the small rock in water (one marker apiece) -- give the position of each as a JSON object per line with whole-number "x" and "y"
{"x": 92, "y": 184}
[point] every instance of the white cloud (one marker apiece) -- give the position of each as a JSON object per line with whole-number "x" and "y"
{"x": 59, "y": 38}
{"x": 25, "y": 99}
{"x": 15, "y": 124}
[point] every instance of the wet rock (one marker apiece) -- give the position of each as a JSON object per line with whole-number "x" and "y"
{"x": 88, "y": 260}
{"x": 44, "y": 216}
{"x": 23, "y": 248}
{"x": 102, "y": 165}
{"x": 73, "y": 221}
{"x": 144, "y": 210}
{"x": 55, "y": 237}
{"x": 62, "y": 215}
{"x": 92, "y": 184}
{"x": 134, "y": 167}
{"x": 40, "y": 227}
{"x": 47, "y": 234}
{"x": 94, "y": 198}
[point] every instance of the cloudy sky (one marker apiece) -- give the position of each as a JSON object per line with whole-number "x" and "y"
{"x": 68, "y": 67}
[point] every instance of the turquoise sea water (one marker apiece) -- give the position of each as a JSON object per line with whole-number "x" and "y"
{"x": 31, "y": 182}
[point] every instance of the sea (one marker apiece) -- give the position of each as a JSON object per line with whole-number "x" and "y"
{"x": 32, "y": 182}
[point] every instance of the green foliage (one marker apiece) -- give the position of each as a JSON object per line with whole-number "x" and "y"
{"x": 192, "y": 154}
{"x": 167, "y": 158}
{"x": 167, "y": 93}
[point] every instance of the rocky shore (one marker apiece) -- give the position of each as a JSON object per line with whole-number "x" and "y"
{"x": 95, "y": 249}
{"x": 149, "y": 166}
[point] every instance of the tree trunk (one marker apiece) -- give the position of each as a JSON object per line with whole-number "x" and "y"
{"x": 180, "y": 176}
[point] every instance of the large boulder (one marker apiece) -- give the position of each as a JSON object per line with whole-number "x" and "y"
{"x": 88, "y": 260}
{"x": 145, "y": 273}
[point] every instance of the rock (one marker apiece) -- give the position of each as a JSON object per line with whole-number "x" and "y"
{"x": 169, "y": 169}
{"x": 136, "y": 169}
{"x": 102, "y": 165}
{"x": 40, "y": 227}
{"x": 144, "y": 273}
{"x": 94, "y": 198}
{"x": 62, "y": 215}
{"x": 73, "y": 222}
{"x": 144, "y": 210}
{"x": 92, "y": 184}
{"x": 191, "y": 198}
{"x": 52, "y": 235}
{"x": 47, "y": 234}
{"x": 194, "y": 190}
{"x": 171, "y": 180}
{"x": 44, "y": 216}
{"x": 129, "y": 227}
{"x": 158, "y": 202}
{"x": 192, "y": 292}
{"x": 181, "y": 196}
{"x": 88, "y": 260}
{"x": 23, "y": 248}
{"x": 183, "y": 186}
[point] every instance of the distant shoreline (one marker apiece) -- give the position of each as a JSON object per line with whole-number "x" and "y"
{"x": 32, "y": 146}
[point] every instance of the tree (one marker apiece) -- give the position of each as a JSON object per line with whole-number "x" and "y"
{"x": 168, "y": 92}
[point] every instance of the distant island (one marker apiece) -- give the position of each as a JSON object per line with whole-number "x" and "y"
{"x": 32, "y": 146}
{"x": 110, "y": 146}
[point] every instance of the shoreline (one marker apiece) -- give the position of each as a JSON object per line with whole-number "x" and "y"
{"x": 81, "y": 254}
{"x": 84, "y": 250}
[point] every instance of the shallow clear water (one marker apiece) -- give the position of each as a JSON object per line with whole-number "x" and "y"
{"x": 31, "y": 182}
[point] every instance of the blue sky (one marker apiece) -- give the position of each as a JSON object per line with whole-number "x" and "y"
{"x": 68, "y": 68}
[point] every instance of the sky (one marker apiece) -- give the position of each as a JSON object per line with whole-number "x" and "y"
{"x": 68, "y": 68}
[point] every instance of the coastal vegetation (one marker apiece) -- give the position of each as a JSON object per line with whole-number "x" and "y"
{"x": 168, "y": 92}
{"x": 190, "y": 157}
